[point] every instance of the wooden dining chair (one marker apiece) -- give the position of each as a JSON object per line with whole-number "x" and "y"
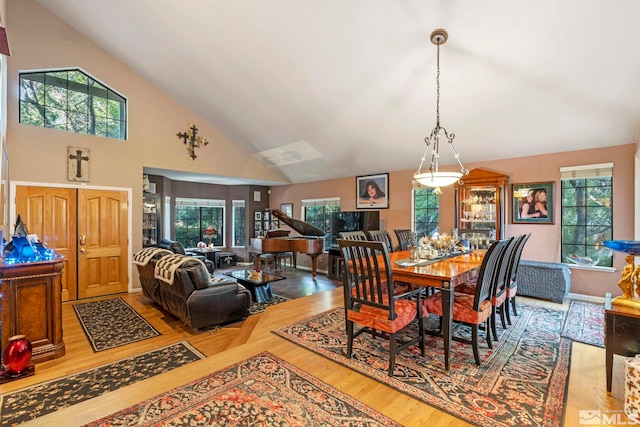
{"x": 499, "y": 287}
{"x": 353, "y": 235}
{"x": 381, "y": 236}
{"x": 512, "y": 287}
{"x": 405, "y": 238}
{"x": 474, "y": 310}
{"x": 370, "y": 301}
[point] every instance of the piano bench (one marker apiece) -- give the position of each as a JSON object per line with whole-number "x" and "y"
{"x": 267, "y": 260}
{"x": 281, "y": 261}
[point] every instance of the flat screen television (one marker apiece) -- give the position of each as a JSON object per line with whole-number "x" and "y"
{"x": 352, "y": 221}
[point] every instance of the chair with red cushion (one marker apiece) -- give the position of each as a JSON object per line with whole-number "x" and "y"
{"x": 512, "y": 287}
{"x": 405, "y": 238}
{"x": 474, "y": 310}
{"x": 381, "y": 236}
{"x": 370, "y": 301}
{"x": 499, "y": 298}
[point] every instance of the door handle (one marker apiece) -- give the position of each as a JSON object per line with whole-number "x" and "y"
{"x": 83, "y": 240}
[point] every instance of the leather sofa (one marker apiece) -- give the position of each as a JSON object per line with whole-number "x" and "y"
{"x": 178, "y": 248}
{"x": 195, "y": 297}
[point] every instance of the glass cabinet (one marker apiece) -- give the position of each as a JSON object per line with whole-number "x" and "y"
{"x": 150, "y": 219}
{"x": 480, "y": 213}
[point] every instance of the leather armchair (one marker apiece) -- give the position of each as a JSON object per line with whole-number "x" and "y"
{"x": 178, "y": 248}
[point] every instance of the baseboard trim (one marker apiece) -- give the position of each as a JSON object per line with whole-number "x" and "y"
{"x": 587, "y": 298}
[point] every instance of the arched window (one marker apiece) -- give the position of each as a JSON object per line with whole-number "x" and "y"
{"x": 74, "y": 101}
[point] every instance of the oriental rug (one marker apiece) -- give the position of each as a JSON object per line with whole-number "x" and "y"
{"x": 259, "y": 307}
{"x": 262, "y": 390}
{"x": 522, "y": 381}
{"x": 40, "y": 399}
{"x": 585, "y": 323}
{"x": 111, "y": 323}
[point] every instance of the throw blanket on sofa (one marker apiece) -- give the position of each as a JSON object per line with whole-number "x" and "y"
{"x": 142, "y": 258}
{"x": 167, "y": 266}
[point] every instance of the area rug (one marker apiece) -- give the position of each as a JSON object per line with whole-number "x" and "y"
{"x": 263, "y": 390}
{"x": 41, "y": 399}
{"x": 585, "y": 323}
{"x": 111, "y": 323}
{"x": 522, "y": 381}
{"x": 259, "y": 307}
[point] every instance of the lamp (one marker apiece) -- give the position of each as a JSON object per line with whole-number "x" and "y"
{"x": 192, "y": 141}
{"x": 435, "y": 178}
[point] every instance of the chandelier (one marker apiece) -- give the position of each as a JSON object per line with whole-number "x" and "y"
{"x": 435, "y": 178}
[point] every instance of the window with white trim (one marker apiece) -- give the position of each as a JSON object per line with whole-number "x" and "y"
{"x": 238, "y": 218}
{"x": 426, "y": 211}
{"x": 199, "y": 220}
{"x": 318, "y": 212}
{"x": 587, "y": 213}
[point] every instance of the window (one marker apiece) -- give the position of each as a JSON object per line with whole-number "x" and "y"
{"x": 238, "y": 217}
{"x": 195, "y": 219}
{"x": 426, "y": 210}
{"x": 73, "y": 101}
{"x": 318, "y": 212}
{"x": 587, "y": 212}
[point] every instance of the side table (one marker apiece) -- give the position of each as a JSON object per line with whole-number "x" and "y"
{"x": 620, "y": 335}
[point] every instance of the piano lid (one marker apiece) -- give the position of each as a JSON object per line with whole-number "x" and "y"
{"x": 301, "y": 227}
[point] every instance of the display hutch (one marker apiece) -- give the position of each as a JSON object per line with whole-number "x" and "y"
{"x": 265, "y": 221}
{"x": 150, "y": 219}
{"x": 480, "y": 211}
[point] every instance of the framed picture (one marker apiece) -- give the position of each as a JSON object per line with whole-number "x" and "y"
{"x": 372, "y": 191}
{"x": 257, "y": 215}
{"x": 287, "y": 208}
{"x": 532, "y": 203}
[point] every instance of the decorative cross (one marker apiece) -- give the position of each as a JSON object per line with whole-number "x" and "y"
{"x": 78, "y": 158}
{"x": 192, "y": 141}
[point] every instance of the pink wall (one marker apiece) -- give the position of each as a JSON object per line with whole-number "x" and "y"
{"x": 544, "y": 244}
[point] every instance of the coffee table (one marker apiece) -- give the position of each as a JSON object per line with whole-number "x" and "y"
{"x": 260, "y": 289}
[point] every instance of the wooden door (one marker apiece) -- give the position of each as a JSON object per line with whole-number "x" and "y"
{"x": 102, "y": 242}
{"x": 51, "y": 214}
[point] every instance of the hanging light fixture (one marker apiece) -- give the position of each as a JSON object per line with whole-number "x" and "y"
{"x": 435, "y": 178}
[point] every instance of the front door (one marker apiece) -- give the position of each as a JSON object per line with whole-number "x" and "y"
{"x": 88, "y": 228}
{"x": 102, "y": 242}
{"x": 50, "y": 213}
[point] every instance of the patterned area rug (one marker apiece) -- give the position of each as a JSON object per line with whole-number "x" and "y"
{"x": 263, "y": 390}
{"x": 259, "y": 307}
{"x": 41, "y": 399}
{"x": 523, "y": 381}
{"x": 111, "y": 323}
{"x": 585, "y": 323}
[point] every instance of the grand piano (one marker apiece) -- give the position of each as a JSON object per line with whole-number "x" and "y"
{"x": 310, "y": 241}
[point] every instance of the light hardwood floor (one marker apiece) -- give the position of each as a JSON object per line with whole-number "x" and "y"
{"x": 587, "y": 385}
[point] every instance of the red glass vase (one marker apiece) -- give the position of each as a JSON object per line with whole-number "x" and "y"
{"x": 16, "y": 355}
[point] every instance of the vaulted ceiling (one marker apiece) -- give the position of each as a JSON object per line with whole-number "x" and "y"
{"x": 335, "y": 88}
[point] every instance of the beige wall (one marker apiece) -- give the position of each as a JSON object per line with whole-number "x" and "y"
{"x": 39, "y": 40}
{"x": 544, "y": 244}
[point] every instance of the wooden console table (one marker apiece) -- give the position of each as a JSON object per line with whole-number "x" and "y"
{"x": 31, "y": 305}
{"x": 621, "y": 335}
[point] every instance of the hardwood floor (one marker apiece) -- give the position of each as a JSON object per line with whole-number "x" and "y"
{"x": 235, "y": 342}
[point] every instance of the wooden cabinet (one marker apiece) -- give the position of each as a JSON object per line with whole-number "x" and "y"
{"x": 150, "y": 219}
{"x": 480, "y": 202}
{"x": 265, "y": 221}
{"x": 31, "y": 305}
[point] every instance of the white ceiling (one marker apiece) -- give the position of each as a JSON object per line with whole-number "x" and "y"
{"x": 335, "y": 88}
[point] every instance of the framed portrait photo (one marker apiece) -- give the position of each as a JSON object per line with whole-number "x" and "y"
{"x": 372, "y": 191}
{"x": 532, "y": 203}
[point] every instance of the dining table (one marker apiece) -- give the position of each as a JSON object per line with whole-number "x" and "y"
{"x": 443, "y": 273}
